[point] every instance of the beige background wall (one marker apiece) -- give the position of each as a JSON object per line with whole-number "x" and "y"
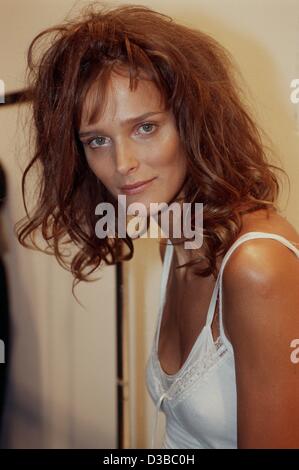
{"x": 62, "y": 390}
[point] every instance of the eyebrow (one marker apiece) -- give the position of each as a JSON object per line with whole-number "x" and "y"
{"x": 131, "y": 120}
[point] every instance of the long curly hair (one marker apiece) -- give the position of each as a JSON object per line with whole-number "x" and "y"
{"x": 227, "y": 167}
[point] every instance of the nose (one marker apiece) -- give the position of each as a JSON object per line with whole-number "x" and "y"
{"x": 125, "y": 159}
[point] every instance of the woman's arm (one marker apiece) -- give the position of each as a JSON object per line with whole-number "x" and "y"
{"x": 261, "y": 318}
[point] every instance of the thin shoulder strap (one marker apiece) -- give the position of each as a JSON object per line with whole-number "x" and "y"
{"x": 218, "y": 285}
{"x": 164, "y": 277}
{"x": 165, "y": 269}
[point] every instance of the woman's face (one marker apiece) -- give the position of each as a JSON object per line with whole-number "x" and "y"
{"x": 135, "y": 140}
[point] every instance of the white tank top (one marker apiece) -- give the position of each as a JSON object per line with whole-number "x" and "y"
{"x": 200, "y": 400}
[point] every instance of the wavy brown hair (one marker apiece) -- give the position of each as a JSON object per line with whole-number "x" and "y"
{"x": 226, "y": 158}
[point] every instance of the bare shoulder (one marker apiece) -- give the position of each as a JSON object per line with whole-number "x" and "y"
{"x": 259, "y": 269}
{"x": 261, "y": 256}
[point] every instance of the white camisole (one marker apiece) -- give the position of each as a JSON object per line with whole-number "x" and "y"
{"x": 200, "y": 400}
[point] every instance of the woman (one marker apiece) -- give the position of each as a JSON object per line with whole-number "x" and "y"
{"x": 126, "y": 95}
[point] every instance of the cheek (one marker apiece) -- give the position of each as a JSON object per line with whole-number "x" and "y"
{"x": 174, "y": 160}
{"x": 167, "y": 154}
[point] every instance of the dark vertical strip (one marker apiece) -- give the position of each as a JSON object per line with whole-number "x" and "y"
{"x": 5, "y": 316}
{"x": 119, "y": 346}
{"x": 5, "y": 320}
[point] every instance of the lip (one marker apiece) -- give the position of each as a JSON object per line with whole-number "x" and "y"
{"x": 137, "y": 187}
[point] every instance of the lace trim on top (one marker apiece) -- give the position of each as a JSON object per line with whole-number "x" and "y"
{"x": 195, "y": 373}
